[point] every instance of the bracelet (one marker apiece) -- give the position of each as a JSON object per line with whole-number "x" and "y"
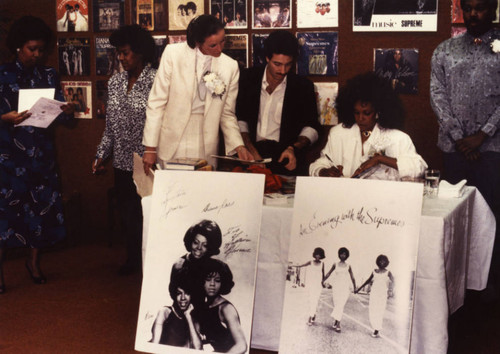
{"x": 150, "y": 152}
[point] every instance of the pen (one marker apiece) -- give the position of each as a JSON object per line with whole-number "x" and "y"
{"x": 95, "y": 167}
{"x": 328, "y": 157}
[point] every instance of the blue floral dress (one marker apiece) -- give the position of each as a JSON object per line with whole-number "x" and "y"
{"x": 30, "y": 201}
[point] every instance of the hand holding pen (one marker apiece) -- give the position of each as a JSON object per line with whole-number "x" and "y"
{"x": 333, "y": 171}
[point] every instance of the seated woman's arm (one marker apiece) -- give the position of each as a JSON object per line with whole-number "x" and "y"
{"x": 329, "y": 163}
{"x": 232, "y": 320}
{"x": 410, "y": 164}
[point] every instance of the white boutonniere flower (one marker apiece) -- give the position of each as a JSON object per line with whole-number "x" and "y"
{"x": 495, "y": 46}
{"x": 214, "y": 84}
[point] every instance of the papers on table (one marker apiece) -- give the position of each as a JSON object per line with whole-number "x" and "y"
{"x": 234, "y": 158}
{"x": 40, "y": 103}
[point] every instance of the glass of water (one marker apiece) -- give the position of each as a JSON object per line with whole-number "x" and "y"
{"x": 432, "y": 183}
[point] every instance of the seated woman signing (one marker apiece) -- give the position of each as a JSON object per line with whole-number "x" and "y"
{"x": 368, "y": 142}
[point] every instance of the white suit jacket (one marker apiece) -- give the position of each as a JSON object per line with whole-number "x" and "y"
{"x": 171, "y": 97}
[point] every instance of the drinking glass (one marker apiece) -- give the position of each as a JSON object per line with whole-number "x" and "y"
{"x": 432, "y": 177}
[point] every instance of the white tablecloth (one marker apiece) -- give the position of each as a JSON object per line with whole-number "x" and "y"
{"x": 455, "y": 246}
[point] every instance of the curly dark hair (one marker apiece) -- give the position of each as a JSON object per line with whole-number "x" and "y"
{"x": 213, "y": 267}
{"x": 27, "y": 28}
{"x": 138, "y": 38}
{"x": 380, "y": 258}
{"x": 212, "y": 233}
{"x": 202, "y": 27}
{"x": 320, "y": 252}
{"x": 344, "y": 250}
{"x": 369, "y": 88}
{"x": 492, "y": 3}
{"x": 281, "y": 42}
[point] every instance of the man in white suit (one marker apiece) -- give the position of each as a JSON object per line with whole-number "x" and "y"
{"x": 186, "y": 106}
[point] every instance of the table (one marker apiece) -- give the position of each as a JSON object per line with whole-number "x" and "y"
{"x": 455, "y": 247}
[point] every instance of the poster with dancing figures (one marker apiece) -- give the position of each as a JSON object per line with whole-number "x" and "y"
{"x": 395, "y": 16}
{"x": 326, "y": 93}
{"x": 200, "y": 264}
{"x": 74, "y": 56}
{"x": 317, "y": 13}
{"x": 351, "y": 269}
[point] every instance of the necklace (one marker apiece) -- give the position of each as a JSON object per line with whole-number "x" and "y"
{"x": 367, "y": 133}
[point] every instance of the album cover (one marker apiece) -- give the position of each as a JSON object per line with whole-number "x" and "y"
{"x": 352, "y": 264}
{"x": 74, "y": 56}
{"x": 102, "y": 98}
{"x": 201, "y": 260}
{"x": 399, "y": 66}
{"x": 318, "y": 53}
{"x": 80, "y": 94}
{"x": 108, "y": 15}
{"x": 395, "y": 16}
{"x": 181, "y": 12}
{"x": 176, "y": 38}
{"x": 272, "y": 13}
{"x": 106, "y": 59}
{"x": 232, "y": 13}
{"x": 160, "y": 44}
{"x": 258, "y": 54}
{"x": 72, "y": 15}
{"x": 326, "y": 93}
{"x": 314, "y": 13}
{"x": 236, "y": 47}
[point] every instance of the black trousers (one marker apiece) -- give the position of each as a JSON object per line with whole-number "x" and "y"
{"x": 130, "y": 211}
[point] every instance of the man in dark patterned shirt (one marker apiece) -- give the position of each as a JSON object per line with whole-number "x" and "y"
{"x": 465, "y": 95}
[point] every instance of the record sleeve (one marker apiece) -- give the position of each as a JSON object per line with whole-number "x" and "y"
{"x": 72, "y": 15}
{"x": 102, "y": 98}
{"x": 314, "y": 13}
{"x": 236, "y": 46}
{"x": 399, "y": 66}
{"x": 108, "y": 15}
{"x": 106, "y": 61}
{"x": 326, "y": 93}
{"x": 318, "y": 53}
{"x": 80, "y": 94}
{"x": 232, "y": 13}
{"x": 160, "y": 44}
{"x": 258, "y": 54}
{"x": 74, "y": 56}
{"x": 272, "y": 14}
{"x": 181, "y": 12}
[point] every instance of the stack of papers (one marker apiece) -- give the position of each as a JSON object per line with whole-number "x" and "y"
{"x": 448, "y": 190}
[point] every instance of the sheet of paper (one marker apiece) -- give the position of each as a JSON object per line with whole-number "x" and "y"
{"x": 43, "y": 113}
{"x": 234, "y": 158}
{"x": 28, "y": 97}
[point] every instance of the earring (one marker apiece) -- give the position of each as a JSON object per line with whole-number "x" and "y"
{"x": 376, "y": 116}
{"x": 18, "y": 50}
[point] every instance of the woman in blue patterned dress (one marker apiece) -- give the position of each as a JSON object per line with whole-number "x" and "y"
{"x": 30, "y": 200}
{"x": 128, "y": 94}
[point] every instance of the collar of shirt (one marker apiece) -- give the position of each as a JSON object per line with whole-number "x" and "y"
{"x": 203, "y": 63}
{"x": 485, "y": 38}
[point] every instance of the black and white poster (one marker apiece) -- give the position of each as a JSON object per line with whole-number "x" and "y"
{"x": 181, "y": 12}
{"x": 272, "y": 14}
{"x": 200, "y": 264}
{"x": 318, "y": 53}
{"x": 74, "y": 56}
{"x": 395, "y": 15}
{"x": 399, "y": 66}
{"x": 352, "y": 263}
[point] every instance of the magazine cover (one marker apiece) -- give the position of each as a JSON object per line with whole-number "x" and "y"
{"x": 232, "y": 13}
{"x": 395, "y": 16}
{"x": 326, "y": 93}
{"x": 236, "y": 47}
{"x": 74, "y": 56}
{"x": 272, "y": 13}
{"x": 181, "y": 12}
{"x": 108, "y": 15}
{"x": 258, "y": 55}
{"x": 102, "y": 98}
{"x": 80, "y": 94}
{"x": 201, "y": 258}
{"x": 314, "y": 13}
{"x": 318, "y": 53}
{"x": 176, "y": 38}
{"x": 106, "y": 59}
{"x": 351, "y": 269}
{"x": 160, "y": 44}
{"x": 399, "y": 66}
{"x": 72, "y": 15}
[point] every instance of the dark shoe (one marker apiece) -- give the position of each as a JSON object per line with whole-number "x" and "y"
{"x": 37, "y": 280}
{"x": 2, "y": 289}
